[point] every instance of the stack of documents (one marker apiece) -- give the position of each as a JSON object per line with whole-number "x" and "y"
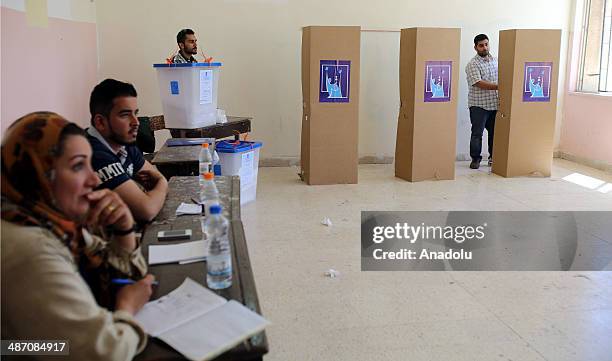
{"x": 197, "y": 322}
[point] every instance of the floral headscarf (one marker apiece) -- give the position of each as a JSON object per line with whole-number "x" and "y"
{"x": 29, "y": 149}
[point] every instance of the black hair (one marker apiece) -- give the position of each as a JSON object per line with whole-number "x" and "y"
{"x": 182, "y": 35}
{"x": 103, "y": 95}
{"x": 480, "y": 37}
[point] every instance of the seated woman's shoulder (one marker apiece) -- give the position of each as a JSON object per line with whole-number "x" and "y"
{"x": 26, "y": 243}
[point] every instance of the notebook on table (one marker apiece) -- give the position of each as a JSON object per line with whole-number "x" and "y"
{"x": 197, "y": 322}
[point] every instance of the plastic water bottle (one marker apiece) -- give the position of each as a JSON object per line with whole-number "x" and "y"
{"x": 205, "y": 159}
{"x": 215, "y": 162}
{"x": 209, "y": 194}
{"x": 219, "y": 258}
{"x": 201, "y": 182}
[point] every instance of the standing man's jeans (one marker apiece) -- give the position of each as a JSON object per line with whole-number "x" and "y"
{"x": 481, "y": 119}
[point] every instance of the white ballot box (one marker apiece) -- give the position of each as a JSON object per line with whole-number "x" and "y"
{"x": 189, "y": 94}
{"x": 242, "y": 159}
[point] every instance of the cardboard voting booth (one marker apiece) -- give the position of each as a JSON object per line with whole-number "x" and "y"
{"x": 189, "y": 94}
{"x": 528, "y": 82}
{"x": 427, "y": 122}
{"x": 330, "y": 90}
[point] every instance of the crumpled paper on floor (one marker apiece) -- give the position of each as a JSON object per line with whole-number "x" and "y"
{"x": 326, "y": 222}
{"x": 332, "y": 273}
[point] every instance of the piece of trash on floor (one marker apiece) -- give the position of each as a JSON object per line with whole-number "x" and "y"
{"x": 332, "y": 273}
{"x": 326, "y": 222}
{"x": 582, "y": 276}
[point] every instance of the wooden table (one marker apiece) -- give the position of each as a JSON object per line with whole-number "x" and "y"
{"x": 177, "y": 160}
{"x": 235, "y": 125}
{"x": 170, "y": 276}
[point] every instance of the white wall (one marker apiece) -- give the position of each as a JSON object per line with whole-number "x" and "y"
{"x": 75, "y": 10}
{"x": 259, "y": 43}
{"x": 49, "y": 62}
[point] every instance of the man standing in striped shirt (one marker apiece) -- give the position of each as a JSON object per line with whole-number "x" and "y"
{"x": 188, "y": 47}
{"x": 482, "y": 98}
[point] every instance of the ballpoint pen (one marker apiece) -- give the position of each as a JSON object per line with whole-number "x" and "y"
{"x": 127, "y": 281}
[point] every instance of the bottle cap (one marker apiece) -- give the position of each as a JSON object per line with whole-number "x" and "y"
{"x": 204, "y": 145}
{"x": 215, "y": 209}
{"x": 209, "y": 176}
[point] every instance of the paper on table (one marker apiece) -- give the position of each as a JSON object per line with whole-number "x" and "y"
{"x": 172, "y": 253}
{"x": 190, "y": 300}
{"x": 206, "y": 87}
{"x": 193, "y": 260}
{"x": 188, "y": 208}
{"x": 247, "y": 175}
{"x": 197, "y": 322}
{"x": 213, "y": 333}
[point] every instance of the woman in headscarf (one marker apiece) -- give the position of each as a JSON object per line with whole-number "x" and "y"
{"x": 56, "y": 276}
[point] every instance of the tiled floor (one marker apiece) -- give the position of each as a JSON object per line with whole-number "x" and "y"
{"x": 419, "y": 315}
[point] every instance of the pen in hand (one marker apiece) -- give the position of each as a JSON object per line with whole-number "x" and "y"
{"x": 127, "y": 281}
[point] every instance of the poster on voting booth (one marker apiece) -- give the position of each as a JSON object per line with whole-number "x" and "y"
{"x": 334, "y": 81}
{"x": 536, "y": 81}
{"x": 437, "y": 81}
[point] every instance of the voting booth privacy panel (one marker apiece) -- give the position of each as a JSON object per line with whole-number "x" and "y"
{"x": 427, "y": 122}
{"x": 525, "y": 122}
{"x": 330, "y": 90}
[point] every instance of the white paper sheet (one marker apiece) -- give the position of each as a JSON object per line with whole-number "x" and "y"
{"x": 247, "y": 174}
{"x": 211, "y": 334}
{"x": 173, "y": 253}
{"x": 193, "y": 260}
{"x": 206, "y": 87}
{"x": 197, "y": 322}
{"x": 190, "y": 300}
{"x": 188, "y": 208}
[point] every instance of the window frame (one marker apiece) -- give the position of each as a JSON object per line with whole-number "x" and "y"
{"x": 604, "y": 86}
